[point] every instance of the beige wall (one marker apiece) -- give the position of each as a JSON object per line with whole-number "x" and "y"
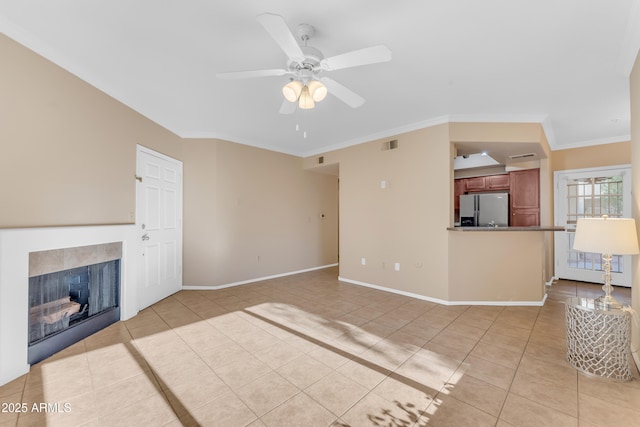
{"x": 253, "y": 213}
{"x": 497, "y": 266}
{"x": 495, "y": 132}
{"x": 67, "y": 150}
{"x": 546, "y": 209}
{"x": 404, "y": 223}
{"x": 68, "y": 154}
{"x": 586, "y": 157}
{"x": 618, "y": 153}
{"x": 635, "y": 188}
{"x": 519, "y": 133}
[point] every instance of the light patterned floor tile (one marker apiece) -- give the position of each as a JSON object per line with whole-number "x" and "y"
{"x": 301, "y": 410}
{"x": 477, "y": 393}
{"x": 446, "y": 411}
{"x": 545, "y": 392}
{"x": 267, "y": 392}
{"x": 336, "y": 392}
{"x": 523, "y": 412}
{"x": 373, "y": 358}
{"x": 304, "y": 371}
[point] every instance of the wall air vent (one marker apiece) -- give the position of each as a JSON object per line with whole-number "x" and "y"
{"x": 320, "y": 160}
{"x": 522, "y": 156}
{"x": 390, "y": 145}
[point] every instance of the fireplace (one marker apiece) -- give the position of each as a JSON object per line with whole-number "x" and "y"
{"x": 73, "y": 293}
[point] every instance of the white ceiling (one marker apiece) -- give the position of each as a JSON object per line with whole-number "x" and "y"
{"x": 564, "y": 63}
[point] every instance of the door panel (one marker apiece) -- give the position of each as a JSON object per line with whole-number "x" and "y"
{"x": 152, "y": 207}
{"x": 159, "y": 218}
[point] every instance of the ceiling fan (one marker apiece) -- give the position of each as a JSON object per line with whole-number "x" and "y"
{"x": 305, "y": 65}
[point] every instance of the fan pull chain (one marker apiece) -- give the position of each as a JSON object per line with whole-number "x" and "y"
{"x": 304, "y": 132}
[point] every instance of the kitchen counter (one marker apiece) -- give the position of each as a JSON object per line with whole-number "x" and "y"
{"x": 540, "y": 228}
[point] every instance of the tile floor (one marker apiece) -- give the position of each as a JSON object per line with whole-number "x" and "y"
{"x": 307, "y": 350}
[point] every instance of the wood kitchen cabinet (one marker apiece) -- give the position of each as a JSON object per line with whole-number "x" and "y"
{"x": 486, "y": 183}
{"x": 458, "y": 190}
{"x": 524, "y": 193}
{"x": 497, "y": 182}
{"x": 474, "y": 184}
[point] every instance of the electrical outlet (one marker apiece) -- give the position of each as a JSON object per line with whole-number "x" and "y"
{"x": 396, "y": 266}
{"x": 363, "y": 261}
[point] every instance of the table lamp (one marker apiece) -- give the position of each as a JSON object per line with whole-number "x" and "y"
{"x": 608, "y": 236}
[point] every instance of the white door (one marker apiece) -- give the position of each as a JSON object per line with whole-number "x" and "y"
{"x": 589, "y": 193}
{"x": 159, "y": 222}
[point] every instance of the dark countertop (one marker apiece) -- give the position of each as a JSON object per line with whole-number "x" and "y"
{"x": 539, "y": 228}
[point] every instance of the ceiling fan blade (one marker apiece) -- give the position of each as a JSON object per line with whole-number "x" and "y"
{"x": 252, "y": 74}
{"x": 368, "y": 55}
{"x": 278, "y": 29}
{"x": 347, "y": 96}
{"x": 288, "y": 107}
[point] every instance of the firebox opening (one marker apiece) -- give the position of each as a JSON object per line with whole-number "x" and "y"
{"x": 67, "y": 306}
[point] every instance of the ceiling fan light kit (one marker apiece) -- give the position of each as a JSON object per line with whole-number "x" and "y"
{"x": 305, "y": 63}
{"x": 306, "y": 100}
{"x": 292, "y": 90}
{"x": 317, "y": 90}
{"x": 305, "y": 95}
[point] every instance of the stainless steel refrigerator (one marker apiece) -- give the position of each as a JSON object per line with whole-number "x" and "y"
{"x": 484, "y": 210}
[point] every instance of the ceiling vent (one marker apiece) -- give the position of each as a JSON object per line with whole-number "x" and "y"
{"x": 522, "y": 156}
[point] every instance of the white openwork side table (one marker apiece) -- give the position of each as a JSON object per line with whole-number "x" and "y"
{"x": 598, "y": 340}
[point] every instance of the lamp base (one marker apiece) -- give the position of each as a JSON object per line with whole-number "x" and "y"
{"x": 607, "y": 302}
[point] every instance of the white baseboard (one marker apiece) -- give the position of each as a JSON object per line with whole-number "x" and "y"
{"x": 257, "y": 279}
{"x": 550, "y": 282}
{"x": 445, "y": 302}
{"x": 394, "y": 291}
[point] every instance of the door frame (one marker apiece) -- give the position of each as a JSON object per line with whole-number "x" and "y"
{"x": 138, "y": 220}
{"x": 624, "y": 279}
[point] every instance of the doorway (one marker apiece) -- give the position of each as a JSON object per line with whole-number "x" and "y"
{"x": 159, "y": 223}
{"x": 587, "y": 193}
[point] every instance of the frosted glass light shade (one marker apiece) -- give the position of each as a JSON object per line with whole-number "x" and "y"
{"x": 317, "y": 90}
{"x": 306, "y": 101}
{"x": 613, "y": 236}
{"x": 292, "y": 90}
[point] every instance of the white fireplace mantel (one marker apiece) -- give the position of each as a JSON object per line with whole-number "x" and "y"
{"x": 15, "y": 246}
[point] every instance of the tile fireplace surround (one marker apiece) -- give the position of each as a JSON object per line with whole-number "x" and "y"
{"x": 15, "y": 247}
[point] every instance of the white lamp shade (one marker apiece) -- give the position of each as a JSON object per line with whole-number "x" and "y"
{"x": 317, "y": 90}
{"x": 612, "y": 236}
{"x": 292, "y": 90}
{"x": 306, "y": 101}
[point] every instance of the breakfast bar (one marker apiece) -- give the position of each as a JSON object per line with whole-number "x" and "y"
{"x": 500, "y": 265}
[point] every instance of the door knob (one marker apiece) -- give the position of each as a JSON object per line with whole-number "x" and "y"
{"x": 145, "y": 237}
